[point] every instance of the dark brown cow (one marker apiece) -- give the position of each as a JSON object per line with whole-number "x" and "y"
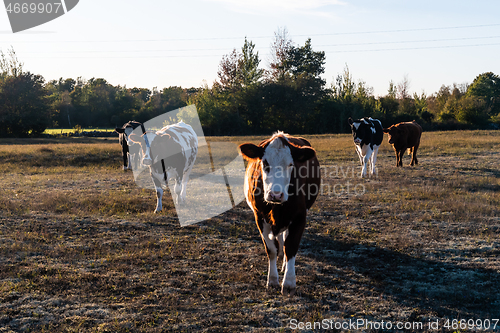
{"x": 405, "y": 136}
{"x": 282, "y": 182}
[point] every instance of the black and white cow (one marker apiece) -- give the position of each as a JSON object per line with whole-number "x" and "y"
{"x": 130, "y": 152}
{"x": 368, "y": 135}
{"x": 169, "y": 153}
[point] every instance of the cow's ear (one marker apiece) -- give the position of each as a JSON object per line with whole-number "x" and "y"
{"x": 386, "y": 130}
{"x": 302, "y": 154}
{"x": 134, "y": 138}
{"x": 249, "y": 151}
{"x": 119, "y": 130}
{"x": 350, "y": 121}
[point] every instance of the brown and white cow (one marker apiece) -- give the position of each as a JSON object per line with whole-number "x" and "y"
{"x": 169, "y": 153}
{"x": 405, "y": 136}
{"x": 282, "y": 182}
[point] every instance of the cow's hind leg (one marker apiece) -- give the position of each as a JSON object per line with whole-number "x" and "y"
{"x": 414, "y": 159}
{"x": 373, "y": 160}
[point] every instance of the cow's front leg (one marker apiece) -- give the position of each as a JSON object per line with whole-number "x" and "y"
{"x": 281, "y": 241}
{"x": 365, "y": 163}
{"x": 399, "y": 158}
{"x": 125, "y": 159}
{"x": 366, "y": 159}
{"x": 292, "y": 242}
{"x": 185, "y": 179}
{"x": 360, "y": 154}
{"x": 289, "y": 281}
{"x": 272, "y": 254}
{"x": 129, "y": 163}
{"x": 159, "y": 193}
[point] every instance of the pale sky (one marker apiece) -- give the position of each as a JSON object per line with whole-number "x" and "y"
{"x": 180, "y": 43}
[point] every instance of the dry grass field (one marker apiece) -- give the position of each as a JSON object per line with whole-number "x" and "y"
{"x": 81, "y": 250}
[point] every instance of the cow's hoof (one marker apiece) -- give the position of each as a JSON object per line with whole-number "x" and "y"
{"x": 157, "y": 211}
{"x": 288, "y": 291}
{"x": 272, "y": 285}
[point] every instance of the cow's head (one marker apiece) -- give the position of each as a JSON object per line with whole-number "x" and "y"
{"x": 361, "y": 129}
{"x": 126, "y": 130}
{"x": 277, "y": 158}
{"x": 155, "y": 146}
{"x": 395, "y": 134}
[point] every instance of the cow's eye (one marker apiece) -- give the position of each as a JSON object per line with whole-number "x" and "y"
{"x": 266, "y": 166}
{"x": 290, "y": 165}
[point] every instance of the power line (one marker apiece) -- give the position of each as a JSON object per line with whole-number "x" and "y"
{"x": 219, "y": 55}
{"x": 404, "y": 30}
{"x": 415, "y": 48}
{"x": 263, "y": 37}
{"x": 412, "y": 41}
{"x": 225, "y": 49}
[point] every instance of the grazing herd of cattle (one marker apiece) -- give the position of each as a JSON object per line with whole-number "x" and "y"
{"x": 282, "y": 178}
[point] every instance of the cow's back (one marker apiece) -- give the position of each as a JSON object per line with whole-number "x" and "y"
{"x": 187, "y": 141}
{"x": 414, "y": 133}
{"x": 308, "y": 174}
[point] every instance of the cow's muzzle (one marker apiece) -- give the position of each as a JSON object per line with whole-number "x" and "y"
{"x": 275, "y": 197}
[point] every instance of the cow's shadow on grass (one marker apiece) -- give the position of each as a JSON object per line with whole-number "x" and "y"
{"x": 436, "y": 286}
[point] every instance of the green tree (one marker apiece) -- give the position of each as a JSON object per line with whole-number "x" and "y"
{"x": 473, "y": 110}
{"x": 292, "y": 98}
{"x": 486, "y": 87}
{"x": 24, "y": 105}
{"x": 389, "y": 104}
{"x": 248, "y": 64}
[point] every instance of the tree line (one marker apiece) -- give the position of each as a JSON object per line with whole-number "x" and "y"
{"x": 289, "y": 95}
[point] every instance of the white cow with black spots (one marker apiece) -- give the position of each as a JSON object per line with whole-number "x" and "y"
{"x": 368, "y": 135}
{"x": 169, "y": 153}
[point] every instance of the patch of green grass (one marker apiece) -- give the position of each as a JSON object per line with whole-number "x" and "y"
{"x": 56, "y": 131}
